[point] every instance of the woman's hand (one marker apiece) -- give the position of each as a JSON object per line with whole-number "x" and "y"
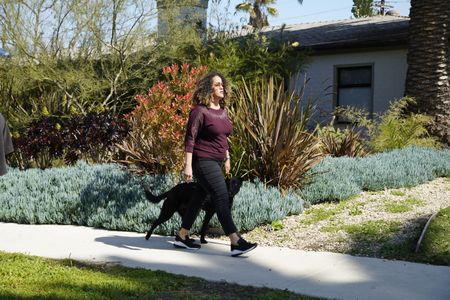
{"x": 227, "y": 166}
{"x": 187, "y": 173}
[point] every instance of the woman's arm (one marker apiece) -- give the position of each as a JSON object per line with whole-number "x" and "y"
{"x": 227, "y": 163}
{"x": 195, "y": 123}
{"x": 188, "y": 167}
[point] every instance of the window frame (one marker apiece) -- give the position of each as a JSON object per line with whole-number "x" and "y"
{"x": 337, "y": 87}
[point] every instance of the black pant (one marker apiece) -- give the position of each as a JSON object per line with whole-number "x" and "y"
{"x": 208, "y": 173}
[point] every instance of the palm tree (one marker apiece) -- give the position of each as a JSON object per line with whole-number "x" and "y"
{"x": 428, "y": 53}
{"x": 362, "y": 8}
{"x": 259, "y": 10}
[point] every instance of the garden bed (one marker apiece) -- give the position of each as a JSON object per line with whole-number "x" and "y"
{"x": 377, "y": 224}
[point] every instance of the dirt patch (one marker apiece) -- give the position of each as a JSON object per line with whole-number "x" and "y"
{"x": 364, "y": 225}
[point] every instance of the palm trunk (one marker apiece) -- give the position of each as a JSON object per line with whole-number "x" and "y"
{"x": 427, "y": 77}
{"x": 259, "y": 20}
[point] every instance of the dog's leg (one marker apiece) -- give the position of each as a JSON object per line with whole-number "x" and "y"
{"x": 208, "y": 215}
{"x": 156, "y": 224}
{"x": 150, "y": 231}
{"x": 166, "y": 213}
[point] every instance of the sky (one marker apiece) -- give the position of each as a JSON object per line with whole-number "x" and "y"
{"x": 291, "y": 12}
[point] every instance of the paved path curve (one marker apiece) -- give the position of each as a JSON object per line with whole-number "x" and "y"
{"x": 322, "y": 274}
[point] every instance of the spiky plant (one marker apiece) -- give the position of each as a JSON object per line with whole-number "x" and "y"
{"x": 270, "y": 126}
{"x": 336, "y": 142}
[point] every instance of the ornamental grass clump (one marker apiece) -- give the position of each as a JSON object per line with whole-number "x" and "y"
{"x": 342, "y": 177}
{"x": 270, "y": 128}
{"x": 106, "y": 196}
{"x": 341, "y": 142}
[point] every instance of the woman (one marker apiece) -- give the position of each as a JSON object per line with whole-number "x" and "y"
{"x": 206, "y": 151}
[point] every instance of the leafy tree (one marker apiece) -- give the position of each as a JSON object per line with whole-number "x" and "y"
{"x": 181, "y": 39}
{"x": 73, "y": 56}
{"x": 427, "y": 77}
{"x": 252, "y": 57}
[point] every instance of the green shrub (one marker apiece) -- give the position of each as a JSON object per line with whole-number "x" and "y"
{"x": 155, "y": 143}
{"x": 395, "y": 128}
{"x": 398, "y": 130}
{"x": 105, "y": 196}
{"x": 341, "y": 177}
{"x": 251, "y": 57}
{"x": 258, "y": 204}
{"x": 341, "y": 142}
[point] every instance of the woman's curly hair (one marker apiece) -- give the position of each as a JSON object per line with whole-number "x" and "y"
{"x": 203, "y": 92}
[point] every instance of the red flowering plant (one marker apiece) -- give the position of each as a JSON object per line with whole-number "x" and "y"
{"x": 155, "y": 143}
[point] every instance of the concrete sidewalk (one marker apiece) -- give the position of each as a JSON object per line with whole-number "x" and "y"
{"x": 322, "y": 274}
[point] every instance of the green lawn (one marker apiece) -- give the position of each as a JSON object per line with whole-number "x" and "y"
{"x": 27, "y": 277}
{"x": 435, "y": 247}
{"x": 374, "y": 237}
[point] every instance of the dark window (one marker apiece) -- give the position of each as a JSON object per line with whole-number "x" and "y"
{"x": 354, "y": 88}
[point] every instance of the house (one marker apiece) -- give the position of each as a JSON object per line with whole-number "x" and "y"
{"x": 355, "y": 62}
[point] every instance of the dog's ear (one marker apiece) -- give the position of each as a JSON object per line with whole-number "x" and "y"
{"x": 238, "y": 181}
{"x": 234, "y": 186}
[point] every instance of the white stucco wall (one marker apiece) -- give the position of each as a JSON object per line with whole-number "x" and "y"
{"x": 389, "y": 74}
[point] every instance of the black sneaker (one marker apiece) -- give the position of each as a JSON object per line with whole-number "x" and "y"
{"x": 242, "y": 247}
{"x": 186, "y": 243}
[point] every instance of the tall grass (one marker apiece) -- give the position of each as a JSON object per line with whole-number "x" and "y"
{"x": 270, "y": 126}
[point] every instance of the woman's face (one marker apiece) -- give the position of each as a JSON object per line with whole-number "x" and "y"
{"x": 217, "y": 87}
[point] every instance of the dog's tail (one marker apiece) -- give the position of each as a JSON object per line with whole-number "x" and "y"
{"x": 152, "y": 198}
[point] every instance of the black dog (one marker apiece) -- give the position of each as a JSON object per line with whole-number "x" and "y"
{"x": 179, "y": 198}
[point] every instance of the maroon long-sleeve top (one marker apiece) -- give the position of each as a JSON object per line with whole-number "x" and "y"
{"x": 207, "y": 132}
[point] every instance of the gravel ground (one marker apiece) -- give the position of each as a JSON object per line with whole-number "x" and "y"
{"x": 407, "y": 209}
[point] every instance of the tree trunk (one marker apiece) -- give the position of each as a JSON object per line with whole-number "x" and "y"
{"x": 427, "y": 77}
